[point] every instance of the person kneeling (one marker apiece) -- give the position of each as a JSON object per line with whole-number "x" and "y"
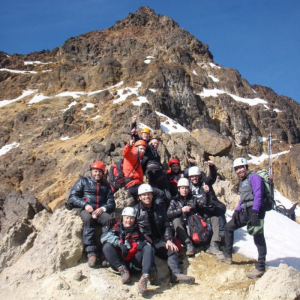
{"x": 125, "y": 247}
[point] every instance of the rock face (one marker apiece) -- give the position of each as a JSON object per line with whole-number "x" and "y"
{"x": 57, "y": 117}
{"x": 280, "y": 283}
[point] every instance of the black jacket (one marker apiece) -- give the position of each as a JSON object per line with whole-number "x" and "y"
{"x": 162, "y": 230}
{"x": 196, "y": 203}
{"x": 88, "y": 191}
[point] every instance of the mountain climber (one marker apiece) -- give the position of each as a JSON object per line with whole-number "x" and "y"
{"x": 213, "y": 207}
{"x": 173, "y": 175}
{"x": 145, "y": 132}
{"x": 126, "y": 248}
{"x": 132, "y": 168}
{"x": 250, "y": 212}
{"x": 185, "y": 205}
{"x": 95, "y": 198}
{"x": 154, "y": 224}
{"x": 154, "y": 170}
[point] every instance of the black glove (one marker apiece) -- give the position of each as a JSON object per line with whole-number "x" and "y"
{"x": 124, "y": 250}
{"x": 235, "y": 217}
{"x": 254, "y": 218}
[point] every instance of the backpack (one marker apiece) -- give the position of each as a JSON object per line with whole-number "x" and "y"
{"x": 116, "y": 176}
{"x": 199, "y": 230}
{"x": 268, "y": 196}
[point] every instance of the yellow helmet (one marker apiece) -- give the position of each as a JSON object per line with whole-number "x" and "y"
{"x": 145, "y": 130}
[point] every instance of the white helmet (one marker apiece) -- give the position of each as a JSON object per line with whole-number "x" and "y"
{"x": 194, "y": 171}
{"x": 241, "y": 161}
{"x": 129, "y": 211}
{"x": 145, "y": 188}
{"x": 183, "y": 182}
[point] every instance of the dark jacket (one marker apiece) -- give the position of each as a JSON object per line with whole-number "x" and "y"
{"x": 162, "y": 230}
{"x": 196, "y": 203}
{"x": 173, "y": 180}
{"x": 251, "y": 192}
{"x": 131, "y": 237}
{"x": 151, "y": 159}
{"x": 88, "y": 191}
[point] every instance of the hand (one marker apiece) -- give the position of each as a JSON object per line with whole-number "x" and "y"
{"x": 89, "y": 208}
{"x": 254, "y": 218}
{"x": 131, "y": 143}
{"x": 209, "y": 163}
{"x": 190, "y": 160}
{"x": 134, "y": 131}
{"x": 205, "y": 188}
{"x": 172, "y": 246}
{"x": 98, "y": 212}
{"x": 186, "y": 209}
{"x": 134, "y": 118}
{"x": 235, "y": 217}
{"x": 124, "y": 250}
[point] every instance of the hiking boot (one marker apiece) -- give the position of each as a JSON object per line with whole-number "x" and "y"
{"x": 214, "y": 248}
{"x": 92, "y": 259}
{"x": 255, "y": 273}
{"x": 181, "y": 278}
{"x": 190, "y": 249}
{"x": 152, "y": 275}
{"x": 142, "y": 286}
{"x": 224, "y": 259}
{"x": 125, "y": 275}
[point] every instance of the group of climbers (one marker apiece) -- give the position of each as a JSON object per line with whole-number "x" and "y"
{"x": 157, "y": 224}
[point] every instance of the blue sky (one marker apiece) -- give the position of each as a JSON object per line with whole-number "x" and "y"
{"x": 259, "y": 38}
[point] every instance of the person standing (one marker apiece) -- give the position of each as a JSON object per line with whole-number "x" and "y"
{"x": 250, "y": 211}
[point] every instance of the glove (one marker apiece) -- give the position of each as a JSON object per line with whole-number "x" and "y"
{"x": 235, "y": 217}
{"x": 124, "y": 250}
{"x": 254, "y": 218}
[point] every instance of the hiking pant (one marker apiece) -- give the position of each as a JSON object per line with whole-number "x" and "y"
{"x": 215, "y": 229}
{"x": 259, "y": 239}
{"x": 172, "y": 256}
{"x": 88, "y": 233}
{"x": 143, "y": 260}
{"x": 180, "y": 231}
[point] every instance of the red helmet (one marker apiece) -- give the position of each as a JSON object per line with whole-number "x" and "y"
{"x": 98, "y": 165}
{"x": 173, "y": 161}
{"x": 140, "y": 143}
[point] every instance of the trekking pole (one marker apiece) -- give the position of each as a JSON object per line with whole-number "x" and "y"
{"x": 270, "y": 165}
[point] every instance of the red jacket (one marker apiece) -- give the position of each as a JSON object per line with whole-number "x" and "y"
{"x": 132, "y": 167}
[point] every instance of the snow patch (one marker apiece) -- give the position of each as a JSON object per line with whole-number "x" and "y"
{"x": 215, "y": 79}
{"x": 8, "y": 147}
{"x": 170, "y": 126}
{"x": 215, "y": 92}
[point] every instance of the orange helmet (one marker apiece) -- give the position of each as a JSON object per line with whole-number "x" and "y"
{"x": 98, "y": 165}
{"x": 140, "y": 143}
{"x": 173, "y": 161}
{"x": 145, "y": 130}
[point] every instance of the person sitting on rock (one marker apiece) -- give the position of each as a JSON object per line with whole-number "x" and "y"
{"x": 181, "y": 207}
{"x": 185, "y": 205}
{"x": 126, "y": 248}
{"x": 154, "y": 170}
{"x": 214, "y": 207}
{"x": 95, "y": 198}
{"x": 250, "y": 211}
{"x": 173, "y": 175}
{"x": 154, "y": 224}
